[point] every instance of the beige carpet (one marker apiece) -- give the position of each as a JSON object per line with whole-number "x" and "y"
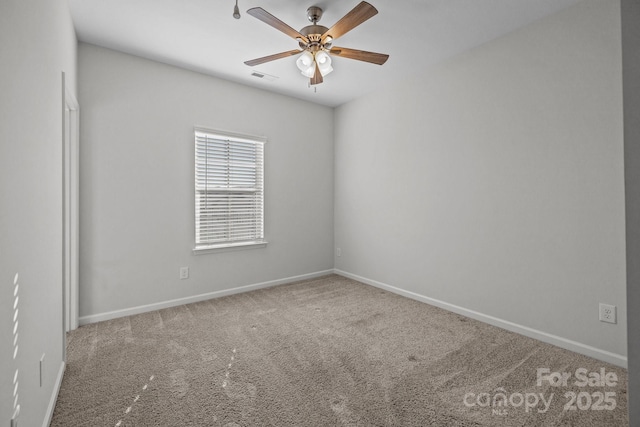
{"x": 323, "y": 352}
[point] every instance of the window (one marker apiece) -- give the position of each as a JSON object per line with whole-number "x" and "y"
{"x": 229, "y": 182}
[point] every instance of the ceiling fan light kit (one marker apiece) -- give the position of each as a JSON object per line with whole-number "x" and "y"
{"x": 316, "y": 40}
{"x": 307, "y": 63}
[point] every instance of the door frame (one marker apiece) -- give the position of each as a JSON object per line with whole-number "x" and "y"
{"x": 70, "y": 208}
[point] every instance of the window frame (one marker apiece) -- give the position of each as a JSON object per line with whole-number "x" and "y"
{"x": 229, "y": 137}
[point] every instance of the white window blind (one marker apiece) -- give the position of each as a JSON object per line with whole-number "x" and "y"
{"x": 229, "y": 183}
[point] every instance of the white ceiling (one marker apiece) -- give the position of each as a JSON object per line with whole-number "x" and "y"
{"x": 202, "y": 35}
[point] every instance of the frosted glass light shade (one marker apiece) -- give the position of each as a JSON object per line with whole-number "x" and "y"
{"x": 306, "y": 64}
{"x": 322, "y": 57}
{"x": 309, "y": 72}
{"x": 324, "y": 63}
{"x": 304, "y": 61}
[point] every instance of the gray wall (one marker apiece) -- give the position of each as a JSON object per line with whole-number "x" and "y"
{"x": 137, "y": 190}
{"x": 37, "y": 43}
{"x": 631, "y": 79}
{"x": 495, "y": 181}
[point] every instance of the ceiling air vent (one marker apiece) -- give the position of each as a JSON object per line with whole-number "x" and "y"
{"x": 263, "y": 76}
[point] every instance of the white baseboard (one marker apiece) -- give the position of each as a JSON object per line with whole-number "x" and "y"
{"x": 587, "y": 350}
{"x": 92, "y": 318}
{"x": 48, "y": 416}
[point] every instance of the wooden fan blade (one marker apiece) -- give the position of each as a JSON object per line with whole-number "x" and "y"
{"x": 360, "y": 55}
{"x": 269, "y": 19}
{"x": 272, "y": 57}
{"x": 317, "y": 76}
{"x": 357, "y": 16}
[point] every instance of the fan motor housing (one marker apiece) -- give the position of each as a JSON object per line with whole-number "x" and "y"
{"x": 310, "y": 30}
{"x": 314, "y": 34}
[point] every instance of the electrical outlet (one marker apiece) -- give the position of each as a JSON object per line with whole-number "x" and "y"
{"x": 607, "y": 313}
{"x": 184, "y": 273}
{"x": 338, "y": 252}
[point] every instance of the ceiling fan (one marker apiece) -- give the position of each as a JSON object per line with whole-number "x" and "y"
{"x": 315, "y": 41}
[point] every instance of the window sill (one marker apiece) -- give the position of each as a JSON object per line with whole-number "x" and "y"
{"x": 227, "y": 247}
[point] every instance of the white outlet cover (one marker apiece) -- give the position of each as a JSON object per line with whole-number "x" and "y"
{"x": 608, "y": 313}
